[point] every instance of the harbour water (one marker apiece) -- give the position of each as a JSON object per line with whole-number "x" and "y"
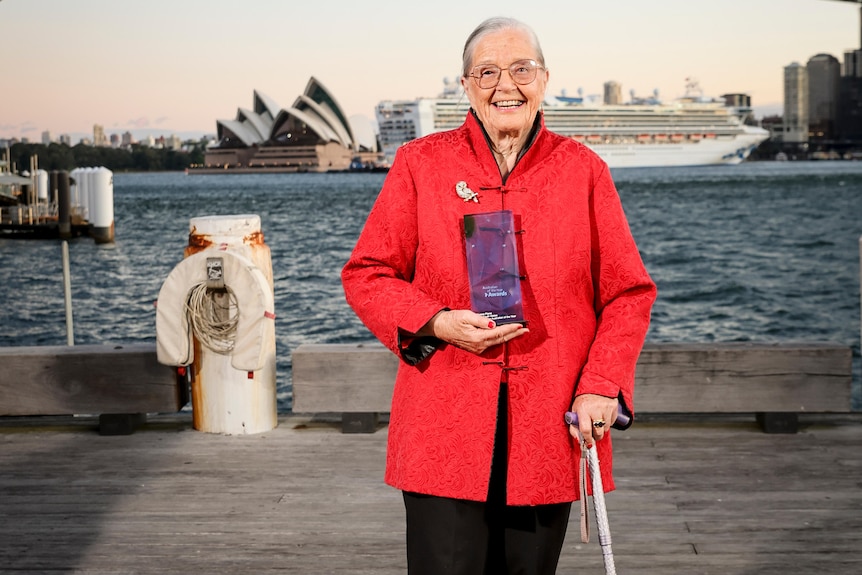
{"x": 765, "y": 252}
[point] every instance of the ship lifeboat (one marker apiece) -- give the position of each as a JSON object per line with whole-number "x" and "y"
{"x": 644, "y": 138}
{"x": 676, "y": 137}
{"x": 695, "y": 137}
{"x": 710, "y": 136}
{"x": 579, "y": 137}
{"x": 661, "y": 137}
{"x": 594, "y": 138}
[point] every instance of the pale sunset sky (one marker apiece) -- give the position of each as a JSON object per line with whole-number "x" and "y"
{"x": 177, "y": 66}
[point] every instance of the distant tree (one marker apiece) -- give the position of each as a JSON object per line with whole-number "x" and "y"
{"x": 56, "y": 156}
{"x": 87, "y": 156}
{"x": 20, "y": 154}
{"x": 146, "y": 159}
{"x": 196, "y": 155}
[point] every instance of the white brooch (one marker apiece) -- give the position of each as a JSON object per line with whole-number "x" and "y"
{"x": 466, "y": 193}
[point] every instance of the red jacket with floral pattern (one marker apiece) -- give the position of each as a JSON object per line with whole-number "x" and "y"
{"x": 586, "y": 297}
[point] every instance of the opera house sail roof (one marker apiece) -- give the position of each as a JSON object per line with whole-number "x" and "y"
{"x": 313, "y": 134}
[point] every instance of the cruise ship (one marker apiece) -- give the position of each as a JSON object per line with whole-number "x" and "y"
{"x": 690, "y": 131}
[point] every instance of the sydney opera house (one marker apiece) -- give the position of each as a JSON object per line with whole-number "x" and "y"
{"x": 313, "y": 135}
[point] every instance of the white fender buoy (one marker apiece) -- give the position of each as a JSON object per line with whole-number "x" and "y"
{"x": 233, "y": 386}
{"x": 174, "y": 335}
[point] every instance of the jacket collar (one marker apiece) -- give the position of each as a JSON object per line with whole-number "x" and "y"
{"x": 479, "y": 139}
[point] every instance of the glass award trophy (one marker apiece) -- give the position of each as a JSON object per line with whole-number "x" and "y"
{"x": 492, "y": 266}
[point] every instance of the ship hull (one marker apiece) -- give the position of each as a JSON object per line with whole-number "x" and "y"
{"x": 729, "y": 151}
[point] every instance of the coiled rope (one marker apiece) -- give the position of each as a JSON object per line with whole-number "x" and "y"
{"x": 213, "y": 316}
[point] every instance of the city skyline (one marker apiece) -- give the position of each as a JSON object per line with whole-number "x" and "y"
{"x": 176, "y": 68}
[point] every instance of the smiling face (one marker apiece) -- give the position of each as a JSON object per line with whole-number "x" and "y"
{"x": 508, "y": 109}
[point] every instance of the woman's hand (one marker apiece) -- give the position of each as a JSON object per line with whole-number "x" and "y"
{"x": 469, "y": 330}
{"x": 592, "y": 409}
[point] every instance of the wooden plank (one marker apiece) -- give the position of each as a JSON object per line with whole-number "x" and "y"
{"x": 670, "y": 378}
{"x": 692, "y": 497}
{"x": 743, "y": 378}
{"x": 86, "y": 379}
{"x": 343, "y": 377}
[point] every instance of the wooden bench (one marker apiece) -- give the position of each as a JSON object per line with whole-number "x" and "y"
{"x": 120, "y": 383}
{"x": 774, "y": 382}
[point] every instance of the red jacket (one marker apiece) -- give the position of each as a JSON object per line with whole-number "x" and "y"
{"x": 587, "y": 301}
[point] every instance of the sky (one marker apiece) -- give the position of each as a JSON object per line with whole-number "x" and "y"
{"x": 177, "y": 66}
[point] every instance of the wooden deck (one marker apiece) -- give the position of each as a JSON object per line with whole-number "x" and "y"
{"x": 694, "y": 497}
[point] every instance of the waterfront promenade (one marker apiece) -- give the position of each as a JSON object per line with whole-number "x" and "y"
{"x": 694, "y": 496}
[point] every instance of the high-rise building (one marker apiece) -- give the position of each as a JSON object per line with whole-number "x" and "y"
{"x": 46, "y": 137}
{"x": 848, "y": 123}
{"x": 824, "y": 87}
{"x": 853, "y": 64}
{"x": 613, "y": 93}
{"x": 128, "y": 139}
{"x": 795, "y": 104}
{"x": 66, "y": 139}
{"x": 99, "y": 138}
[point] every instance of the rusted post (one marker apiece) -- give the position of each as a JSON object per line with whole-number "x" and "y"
{"x": 225, "y": 399}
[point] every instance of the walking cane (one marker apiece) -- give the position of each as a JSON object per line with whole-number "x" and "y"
{"x": 598, "y": 492}
{"x": 601, "y": 510}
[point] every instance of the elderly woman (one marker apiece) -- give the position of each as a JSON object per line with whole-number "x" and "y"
{"x": 477, "y": 441}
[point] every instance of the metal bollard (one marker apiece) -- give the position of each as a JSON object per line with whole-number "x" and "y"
{"x": 225, "y": 399}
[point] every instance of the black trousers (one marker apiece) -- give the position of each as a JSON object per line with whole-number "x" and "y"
{"x": 448, "y": 536}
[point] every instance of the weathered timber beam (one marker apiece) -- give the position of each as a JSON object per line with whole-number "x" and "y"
{"x": 743, "y": 377}
{"x": 670, "y": 378}
{"x": 86, "y": 379}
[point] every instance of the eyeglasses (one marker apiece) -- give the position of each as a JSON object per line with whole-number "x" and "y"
{"x": 488, "y": 75}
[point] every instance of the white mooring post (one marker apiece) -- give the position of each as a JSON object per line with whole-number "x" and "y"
{"x": 225, "y": 399}
{"x": 101, "y": 198}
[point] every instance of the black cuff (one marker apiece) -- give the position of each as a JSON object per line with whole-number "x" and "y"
{"x": 419, "y": 349}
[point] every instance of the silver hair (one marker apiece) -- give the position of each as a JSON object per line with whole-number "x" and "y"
{"x": 490, "y": 26}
